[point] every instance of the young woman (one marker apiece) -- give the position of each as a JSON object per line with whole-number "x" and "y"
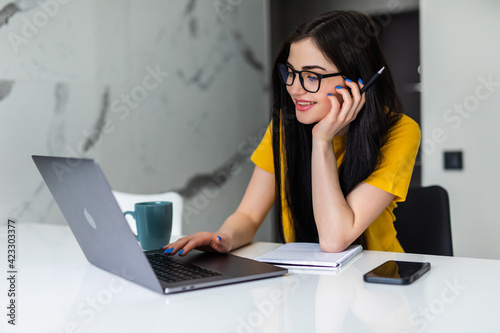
{"x": 334, "y": 161}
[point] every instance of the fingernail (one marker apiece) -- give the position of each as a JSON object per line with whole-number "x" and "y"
{"x": 348, "y": 80}
{"x": 338, "y": 87}
{"x": 166, "y": 251}
{"x": 170, "y": 250}
{"x": 180, "y": 252}
{"x": 220, "y": 239}
{"x": 361, "y": 81}
{"x": 330, "y": 95}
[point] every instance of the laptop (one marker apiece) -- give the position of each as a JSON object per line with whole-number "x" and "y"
{"x": 84, "y": 197}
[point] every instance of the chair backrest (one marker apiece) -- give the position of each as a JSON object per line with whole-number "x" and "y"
{"x": 423, "y": 221}
{"x": 126, "y": 201}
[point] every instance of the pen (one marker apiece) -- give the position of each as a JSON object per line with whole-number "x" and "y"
{"x": 374, "y": 77}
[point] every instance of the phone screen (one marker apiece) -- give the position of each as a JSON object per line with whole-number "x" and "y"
{"x": 397, "y": 272}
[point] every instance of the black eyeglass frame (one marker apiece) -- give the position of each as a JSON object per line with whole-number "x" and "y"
{"x": 301, "y": 79}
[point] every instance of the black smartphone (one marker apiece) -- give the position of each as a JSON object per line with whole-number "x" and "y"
{"x": 397, "y": 272}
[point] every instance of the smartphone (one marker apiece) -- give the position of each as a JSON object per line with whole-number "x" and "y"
{"x": 397, "y": 272}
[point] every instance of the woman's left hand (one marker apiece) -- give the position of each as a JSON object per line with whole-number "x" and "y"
{"x": 340, "y": 115}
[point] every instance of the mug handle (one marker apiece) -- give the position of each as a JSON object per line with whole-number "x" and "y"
{"x": 133, "y": 215}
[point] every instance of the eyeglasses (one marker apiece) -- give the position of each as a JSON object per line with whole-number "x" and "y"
{"x": 310, "y": 81}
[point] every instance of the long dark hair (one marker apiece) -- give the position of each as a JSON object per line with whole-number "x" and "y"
{"x": 349, "y": 40}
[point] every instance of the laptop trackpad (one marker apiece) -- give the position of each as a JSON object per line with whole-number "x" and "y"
{"x": 228, "y": 264}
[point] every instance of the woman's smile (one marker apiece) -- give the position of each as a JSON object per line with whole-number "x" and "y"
{"x": 303, "y": 105}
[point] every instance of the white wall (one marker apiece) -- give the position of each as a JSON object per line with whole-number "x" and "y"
{"x": 460, "y": 53}
{"x": 66, "y": 71}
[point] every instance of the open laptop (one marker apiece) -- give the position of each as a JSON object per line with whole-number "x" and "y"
{"x": 84, "y": 197}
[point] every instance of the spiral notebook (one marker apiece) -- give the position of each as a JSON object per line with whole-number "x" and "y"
{"x": 309, "y": 255}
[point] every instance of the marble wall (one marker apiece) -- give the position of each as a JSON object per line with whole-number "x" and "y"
{"x": 164, "y": 94}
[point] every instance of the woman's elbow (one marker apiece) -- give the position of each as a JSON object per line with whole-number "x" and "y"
{"x": 333, "y": 246}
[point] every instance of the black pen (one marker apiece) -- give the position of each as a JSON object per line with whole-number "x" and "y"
{"x": 374, "y": 77}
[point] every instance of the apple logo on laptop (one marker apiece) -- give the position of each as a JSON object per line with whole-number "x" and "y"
{"x": 89, "y": 218}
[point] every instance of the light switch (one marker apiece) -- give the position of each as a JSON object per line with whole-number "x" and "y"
{"x": 453, "y": 160}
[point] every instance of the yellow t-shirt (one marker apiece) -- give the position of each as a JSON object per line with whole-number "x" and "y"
{"x": 393, "y": 175}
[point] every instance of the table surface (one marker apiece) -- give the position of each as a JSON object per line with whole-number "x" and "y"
{"x": 57, "y": 290}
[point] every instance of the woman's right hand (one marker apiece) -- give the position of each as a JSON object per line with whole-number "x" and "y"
{"x": 346, "y": 104}
{"x": 204, "y": 241}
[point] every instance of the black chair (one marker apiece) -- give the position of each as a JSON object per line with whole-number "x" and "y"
{"x": 423, "y": 221}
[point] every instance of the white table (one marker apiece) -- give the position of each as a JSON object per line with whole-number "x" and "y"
{"x": 59, "y": 291}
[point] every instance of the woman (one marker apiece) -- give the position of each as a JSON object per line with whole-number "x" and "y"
{"x": 345, "y": 158}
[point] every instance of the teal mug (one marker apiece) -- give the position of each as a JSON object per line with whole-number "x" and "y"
{"x": 154, "y": 223}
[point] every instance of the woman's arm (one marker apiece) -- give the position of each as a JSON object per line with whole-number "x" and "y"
{"x": 340, "y": 220}
{"x": 240, "y": 227}
{"x": 259, "y": 197}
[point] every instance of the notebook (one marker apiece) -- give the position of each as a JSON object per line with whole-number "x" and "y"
{"x": 309, "y": 255}
{"x": 93, "y": 215}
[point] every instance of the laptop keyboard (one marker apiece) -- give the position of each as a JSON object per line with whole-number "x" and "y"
{"x": 172, "y": 271}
